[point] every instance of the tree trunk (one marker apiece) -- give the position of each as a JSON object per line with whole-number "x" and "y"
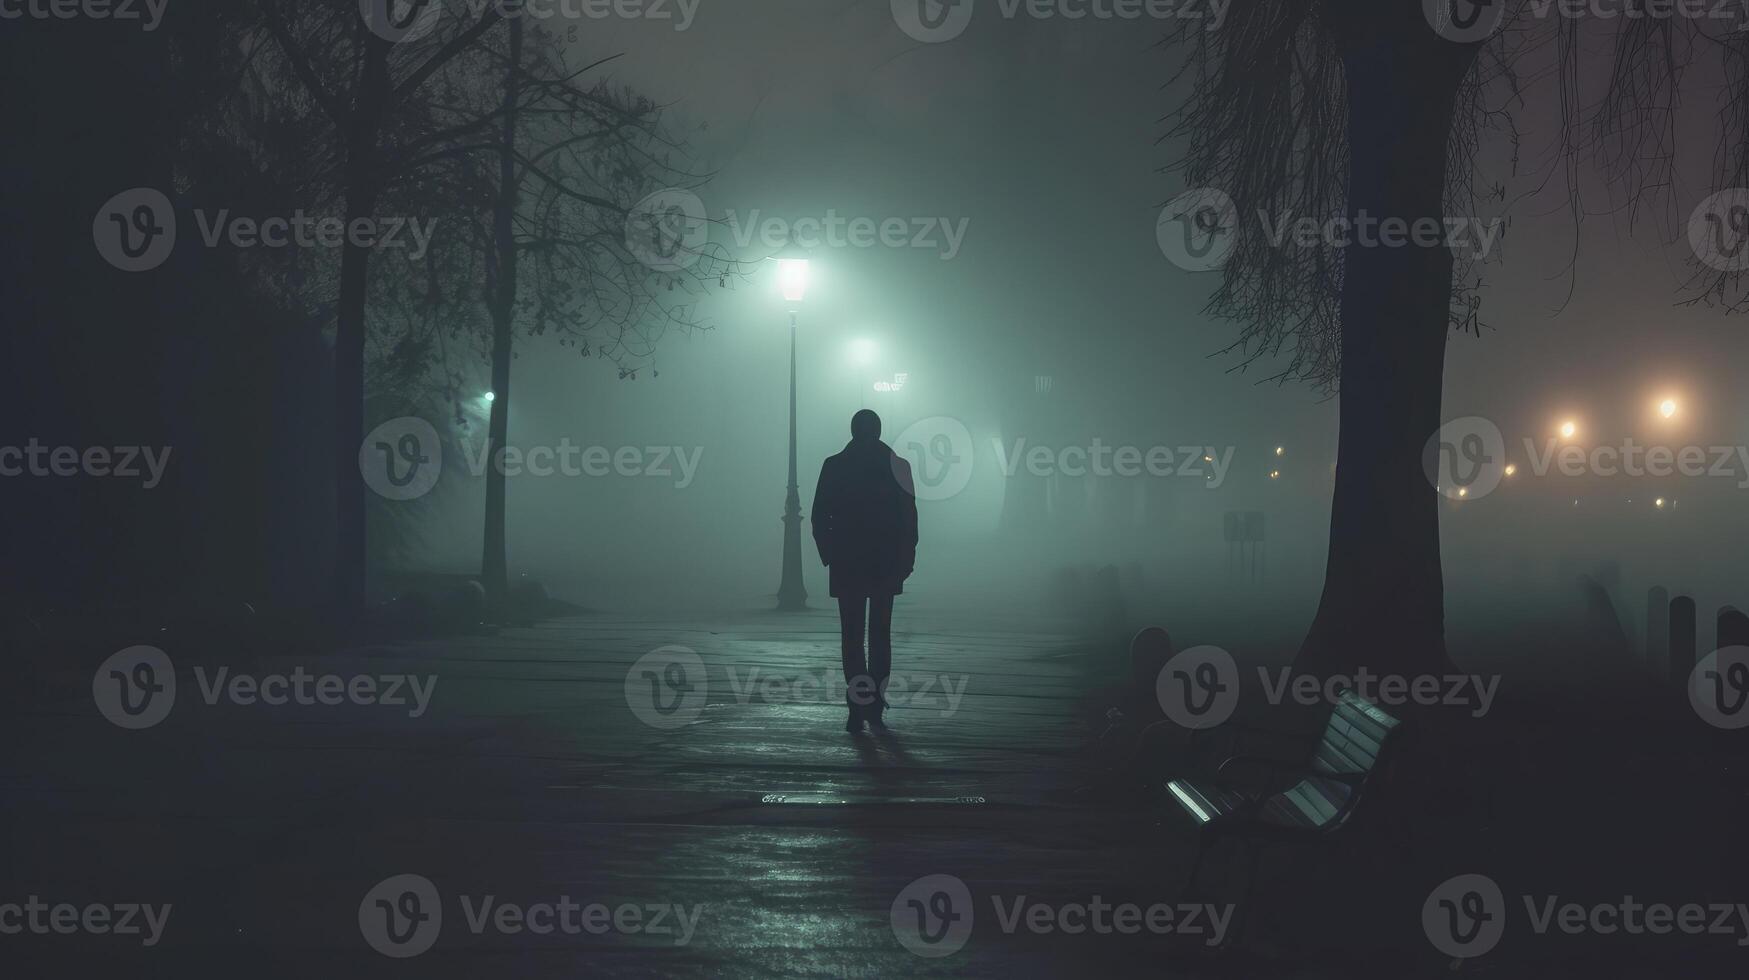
{"x": 1383, "y": 604}
{"x": 362, "y": 183}
{"x": 493, "y": 574}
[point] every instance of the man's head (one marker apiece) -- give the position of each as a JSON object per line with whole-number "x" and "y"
{"x": 865, "y": 425}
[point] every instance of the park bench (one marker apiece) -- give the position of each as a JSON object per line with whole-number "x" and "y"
{"x": 1322, "y": 791}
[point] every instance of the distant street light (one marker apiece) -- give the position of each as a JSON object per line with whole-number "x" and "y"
{"x": 1568, "y": 428}
{"x": 1511, "y": 468}
{"x": 490, "y": 396}
{"x": 1279, "y": 450}
{"x": 1667, "y": 407}
{"x": 792, "y": 280}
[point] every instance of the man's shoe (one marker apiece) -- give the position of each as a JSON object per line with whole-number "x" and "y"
{"x": 853, "y": 725}
{"x": 875, "y": 722}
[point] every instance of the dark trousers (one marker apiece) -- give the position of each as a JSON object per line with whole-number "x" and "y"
{"x": 866, "y": 679}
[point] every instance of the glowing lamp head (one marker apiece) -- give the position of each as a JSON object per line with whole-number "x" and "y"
{"x": 1667, "y": 407}
{"x": 1280, "y": 449}
{"x": 1511, "y": 468}
{"x": 792, "y": 279}
{"x": 1463, "y": 491}
{"x": 1274, "y": 474}
{"x": 1568, "y": 429}
{"x": 1659, "y": 503}
{"x": 490, "y": 396}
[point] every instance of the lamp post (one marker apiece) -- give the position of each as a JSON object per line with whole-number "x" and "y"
{"x": 792, "y": 279}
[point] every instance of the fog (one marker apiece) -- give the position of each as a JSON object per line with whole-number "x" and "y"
{"x": 1060, "y": 284}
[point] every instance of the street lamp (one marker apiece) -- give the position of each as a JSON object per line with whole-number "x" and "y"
{"x": 1667, "y": 407}
{"x": 792, "y": 281}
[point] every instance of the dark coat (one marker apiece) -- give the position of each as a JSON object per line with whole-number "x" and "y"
{"x": 865, "y": 520}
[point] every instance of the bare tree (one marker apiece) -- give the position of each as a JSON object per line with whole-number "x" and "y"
{"x": 557, "y": 187}
{"x": 1378, "y": 107}
{"x": 359, "y": 69}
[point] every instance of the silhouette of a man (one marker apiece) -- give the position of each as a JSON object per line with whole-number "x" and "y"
{"x": 865, "y": 525}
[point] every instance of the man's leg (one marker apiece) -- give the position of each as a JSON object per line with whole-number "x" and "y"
{"x": 880, "y": 648}
{"x": 851, "y": 620}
